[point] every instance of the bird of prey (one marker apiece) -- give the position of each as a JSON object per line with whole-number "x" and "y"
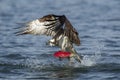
{"x": 59, "y": 27}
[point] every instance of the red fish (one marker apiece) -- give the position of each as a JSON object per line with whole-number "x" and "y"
{"x": 62, "y": 54}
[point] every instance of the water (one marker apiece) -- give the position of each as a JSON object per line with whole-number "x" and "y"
{"x": 28, "y": 57}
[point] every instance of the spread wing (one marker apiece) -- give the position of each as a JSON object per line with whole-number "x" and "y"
{"x": 51, "y": 25}
{"x": 47, "y": 25}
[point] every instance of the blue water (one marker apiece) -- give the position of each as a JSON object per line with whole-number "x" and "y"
{"x": 28, "y": 57}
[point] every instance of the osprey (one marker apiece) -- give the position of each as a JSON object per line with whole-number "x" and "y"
{"x": 59, "y": 27}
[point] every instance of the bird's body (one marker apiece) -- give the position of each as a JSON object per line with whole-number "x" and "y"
{"x": 57, "y": 26}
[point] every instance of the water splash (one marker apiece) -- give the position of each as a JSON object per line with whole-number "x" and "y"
{"x": 34, "y": 63}
{"x": 44, "y": 62}
{"x": 90, "y": 60}
{"x": 87, "y": 61}
{"x": 94, "y": 58}
{"x": 53, "y": 63}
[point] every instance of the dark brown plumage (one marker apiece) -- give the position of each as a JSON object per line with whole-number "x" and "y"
{"x": 52, "y": 25}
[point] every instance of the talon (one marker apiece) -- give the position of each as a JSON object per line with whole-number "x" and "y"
{"x": 77, "y": 57}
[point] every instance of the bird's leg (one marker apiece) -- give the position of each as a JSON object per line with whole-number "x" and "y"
{"x": 75, "y": 55}
{"x": 67, "y": 46}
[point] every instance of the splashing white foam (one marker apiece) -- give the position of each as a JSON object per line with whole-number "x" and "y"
{"x": 87, "y": 61}
{"x": 35, "y": 63}
{"x": 94, "y": 59}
